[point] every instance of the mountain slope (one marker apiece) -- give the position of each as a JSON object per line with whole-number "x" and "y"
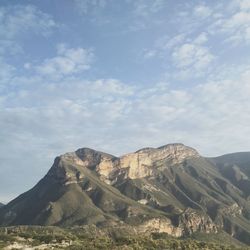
{"x": 236, "y": 168}
{"x": 1, "y": 204}
{"x": 168, "y": 189}
{"x": 70, "y": 195}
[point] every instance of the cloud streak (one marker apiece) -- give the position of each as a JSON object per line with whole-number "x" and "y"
{"x": 68, "y": 61}
{"x": 17, "y": 19}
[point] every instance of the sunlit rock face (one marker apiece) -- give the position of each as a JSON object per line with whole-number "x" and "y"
{"x": 143, "y": 162}
{"x": 192, "y": 221}
{"x": 189, "y": 222}
{"x": 134, "y": 165}
{"x": 161, "y": 226}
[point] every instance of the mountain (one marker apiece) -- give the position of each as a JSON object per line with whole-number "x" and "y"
{"x": 169, "y": 189}
{"x": 1, "y": 204}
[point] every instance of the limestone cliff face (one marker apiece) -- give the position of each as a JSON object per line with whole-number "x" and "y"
{"x": 134, "y": 165}
{"x": 189, "y": 222}
{"x": 192, "y": 221}
{"x": 143, "y": 162}
{"x": 160, "y": 225}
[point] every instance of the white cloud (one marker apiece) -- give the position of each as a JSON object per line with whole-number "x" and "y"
{"x": 68, "y": 61}
{"x": 163, "y": 45}
{"x": 189, "y": 54}
{"x": 84, "y": 6}
{"x": 202, "y": 11}
{"x": 244, "y": 5}
{"x": 17, "y": 19}
{"x": 15, "y": 22}
{"x": 225, "y": 21}
{"x": 169, "y": 43}
{"x": 237, "y": 20}
{"x": 6, "y": 73}
{"x": 237, "y": 28}
{"x": 111, "y": 87}
{"x": 201, "y": 39}
{"x": 9, "y": 47}
{"x": 146, "y": 8}
{"x": 149, "y": 53}
{"x": 234, "y": 23}
{"x": 192, "y": 56}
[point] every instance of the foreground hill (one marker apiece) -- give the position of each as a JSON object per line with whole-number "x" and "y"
{"x": 169, "y": 189}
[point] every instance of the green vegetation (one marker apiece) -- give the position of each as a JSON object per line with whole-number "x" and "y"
{"x": 91, "y": 238}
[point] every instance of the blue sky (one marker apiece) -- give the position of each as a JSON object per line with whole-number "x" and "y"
{"x": 117, "y": 76}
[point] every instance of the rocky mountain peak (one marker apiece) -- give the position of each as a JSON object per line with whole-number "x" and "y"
{"x": 143, "y": 162}
{"x": 135, "y": 165}
{"x": 178, "y": 151}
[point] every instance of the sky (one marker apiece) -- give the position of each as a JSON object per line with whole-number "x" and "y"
{"x": 117, "y": 76}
